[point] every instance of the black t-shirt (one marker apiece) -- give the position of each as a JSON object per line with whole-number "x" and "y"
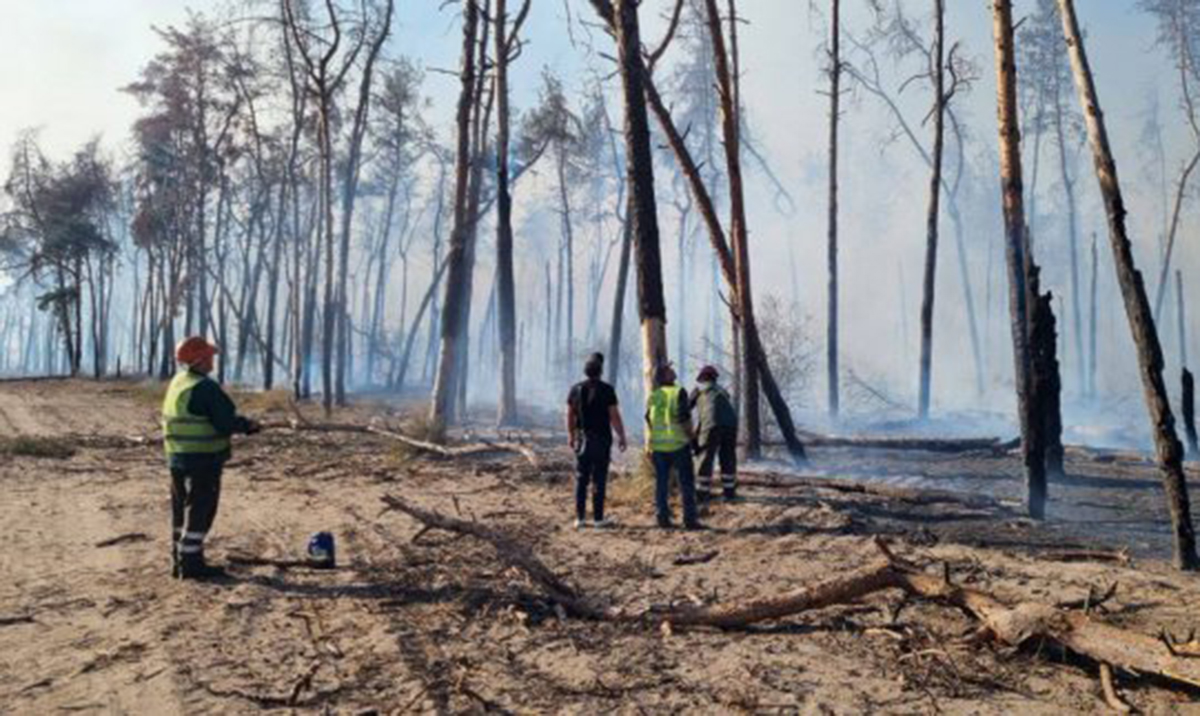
{"x": 592, "y": 399}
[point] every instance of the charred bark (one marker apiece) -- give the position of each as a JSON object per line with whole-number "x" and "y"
{"x": 640, "y": 177}
{"x": 933, "y": 214}
{"x": 1137, "y": 305}
{"x": 445, "y": 388}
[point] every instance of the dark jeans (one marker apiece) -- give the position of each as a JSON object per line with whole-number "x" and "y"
{"x": 719, "y": 445}
{"x": 681, "y": 461}
{"x": 591, "y": 466}
{"x": 195, "y": 495}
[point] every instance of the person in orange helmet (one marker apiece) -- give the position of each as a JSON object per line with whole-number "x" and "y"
{"x": 198, "y": 420}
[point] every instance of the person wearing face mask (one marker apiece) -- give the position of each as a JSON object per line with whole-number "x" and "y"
{"x": 716, "y": 435}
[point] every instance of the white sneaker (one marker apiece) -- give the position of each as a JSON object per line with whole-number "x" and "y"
{"x": 580, "y": 524}
{"x": 603, "y": 524}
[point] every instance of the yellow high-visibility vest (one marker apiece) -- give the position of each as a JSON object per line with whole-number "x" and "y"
{"x": 183, "y": 432}
{"x": 666, "y": 433}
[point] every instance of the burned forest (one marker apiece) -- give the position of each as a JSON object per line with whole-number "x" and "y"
{"x": 599, "y": 356}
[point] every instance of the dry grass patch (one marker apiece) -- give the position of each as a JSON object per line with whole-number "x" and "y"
{"x": 51, "y": 448}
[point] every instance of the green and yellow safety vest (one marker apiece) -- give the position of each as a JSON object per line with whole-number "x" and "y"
{"x": 184, "y": 433}
{"x": 666, "y": 432}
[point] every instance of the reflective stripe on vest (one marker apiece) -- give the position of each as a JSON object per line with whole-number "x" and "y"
{"x": 183, "y": 432}
{"x": 666, "y": 433}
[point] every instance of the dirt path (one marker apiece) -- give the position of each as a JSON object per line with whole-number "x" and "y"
{"x": 424, "y": 622}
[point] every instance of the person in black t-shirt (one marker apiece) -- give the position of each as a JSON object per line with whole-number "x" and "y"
{"x": 592, "y": 416}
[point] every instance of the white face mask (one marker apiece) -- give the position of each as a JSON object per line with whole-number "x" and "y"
{"x": 705, "y": 384}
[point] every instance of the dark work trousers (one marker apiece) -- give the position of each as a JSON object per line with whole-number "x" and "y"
{"x": 719, "y": 445}
{"x": 195, "y": 494}
{"x": 681, "y": 462}
{"x": 591, "y": 467}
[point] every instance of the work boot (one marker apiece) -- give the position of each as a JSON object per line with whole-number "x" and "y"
{"x": 664, "y": 523}
{"x": 193, "y": 566}
{"x": 730, "y": 494}
{"x": 703, "y": 496}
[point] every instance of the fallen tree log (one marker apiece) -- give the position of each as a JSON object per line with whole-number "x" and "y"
{"x": 851, "y": 486}
{"x": 938, "y": 445}
{"x": 482, "y": 447}
{"x": 1012, "y": 626}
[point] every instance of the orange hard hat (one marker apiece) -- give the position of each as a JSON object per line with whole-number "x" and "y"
{"x": 194, "y": 349}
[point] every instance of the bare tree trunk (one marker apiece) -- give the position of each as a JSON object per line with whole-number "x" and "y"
{"x": 445, "y": 388}
{"x": 1072, "y": 238}
{"x": 618, "y": 314}
{"x": 505, "y": 278}
{"x": 835, "y": 97}
{"x": 1164, "y": 275}
{"x": 1092, "y": 311}
{"x": 1019, "y": 262}
{"x": 739, "y": 233}
{"x": 934, "y": 211}
{"x": 643, "y": 206}
{"x": 1189, "y": 414}
{"x": 1137, "y": 306}
{"x": 1181, "y": 319}
{"x": 716, "y": 234}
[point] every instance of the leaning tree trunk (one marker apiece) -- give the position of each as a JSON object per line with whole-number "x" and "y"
{"x": 618, "y": 314}
{"x": 934, "y": 209}
{"x": 445, "y": 386}
{"x": 739, "y": 234}
{"x": 835, "y": 96}
{"x": 643, "y": 207}
{"x": 504, "y": 234}
{"x": 1137, "y": 305}
{"x": 716, "y": 235}
{"x": 1019, "y": 262}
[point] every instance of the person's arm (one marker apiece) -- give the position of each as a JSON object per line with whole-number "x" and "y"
{"x": 572, "y": 430}
{"x": 685, "y": 419}
{"x": 614, "y": 415}
{"x": 209, "y": 400}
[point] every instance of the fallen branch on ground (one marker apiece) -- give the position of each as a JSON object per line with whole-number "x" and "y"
{"x": 942, "y": 445}
{"x": 481, "y": 447}
{"x": 1087, "y": 555}
{"x": 851, "y": 486}
{"x": 1111, "y": 697}
{"x": 1075, "y": 630}
{"x": 124, "y": 539}
{"x": 18, "y": 619}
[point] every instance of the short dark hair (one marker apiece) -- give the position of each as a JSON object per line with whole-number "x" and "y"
{"x": 594, "y": 366}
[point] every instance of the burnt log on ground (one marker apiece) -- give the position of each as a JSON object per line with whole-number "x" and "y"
{"x": 851, "y": 486}
{"x": 934, "y": 444}
{"x": 1011, "y": 626}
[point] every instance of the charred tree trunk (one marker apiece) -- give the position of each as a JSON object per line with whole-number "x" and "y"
{"x": 505, "y": 280}
{"x": 1019, "y": 262}
{"x": 739, "y": 233}
{"x": 643, "y": 206}
{"x": 445, "y": 387}
{"x": 618, "y": 314}
{"x": 1181, "y": 319}
{"x": 1189, "y": 413}
{"x": 1137, "y": 305}
{"x": 835, "y": 96}
{"x": 716, "y": 234}
{"x": 934, "y": 210}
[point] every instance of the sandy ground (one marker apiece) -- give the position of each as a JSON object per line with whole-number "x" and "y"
{"x": 439, "y": 625}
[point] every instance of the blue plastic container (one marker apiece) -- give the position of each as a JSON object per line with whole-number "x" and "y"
{"x": 321, "y": 550}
